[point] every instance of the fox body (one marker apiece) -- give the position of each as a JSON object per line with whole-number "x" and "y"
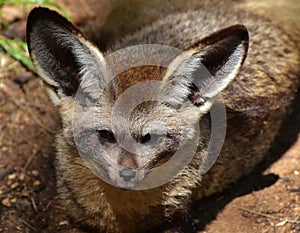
{"x": 257, "y": 95}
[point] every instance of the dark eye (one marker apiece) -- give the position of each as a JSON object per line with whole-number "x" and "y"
{"x": 146, "y": 138}
{"x": 106, "y": 136}
{"x": 153, "y": 137}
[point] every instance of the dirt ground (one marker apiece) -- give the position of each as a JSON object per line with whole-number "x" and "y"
{"x": 268, "y": 200}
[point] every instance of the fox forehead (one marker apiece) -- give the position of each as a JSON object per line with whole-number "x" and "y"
{"x": 148, "y": 109}
{"x": 131, "y": 77}
{"x": 141, "y": 112}
{"x": 114, "y": 92}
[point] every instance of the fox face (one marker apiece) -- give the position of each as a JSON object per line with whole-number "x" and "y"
{"x": 124, "y": 154}
{"x": 129, "y": 126}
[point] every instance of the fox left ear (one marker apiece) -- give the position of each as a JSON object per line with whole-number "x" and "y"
{"x": 199, "y": 74}
{"x": 62, "y": 55}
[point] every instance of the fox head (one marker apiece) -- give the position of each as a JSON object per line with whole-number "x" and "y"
{"x": 126, "y": 124}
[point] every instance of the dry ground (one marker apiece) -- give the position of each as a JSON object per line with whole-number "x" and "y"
{"x": 266, "y": 201}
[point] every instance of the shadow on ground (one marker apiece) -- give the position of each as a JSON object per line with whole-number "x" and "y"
{"x": 205, "y": 211}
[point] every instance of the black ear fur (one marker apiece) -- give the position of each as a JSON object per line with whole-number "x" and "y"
{"x": 51, "y": 41}
{"x": 207, "y": 67}
{"x": 227, "y": 39}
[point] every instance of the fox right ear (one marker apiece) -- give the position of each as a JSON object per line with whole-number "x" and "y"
{"x": 200, "y": 73}
{"x": 62, "y": 55}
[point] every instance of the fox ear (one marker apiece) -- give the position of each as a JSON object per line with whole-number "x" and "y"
{"x": 62, "y": 55}
{"x": 203, "y": 71}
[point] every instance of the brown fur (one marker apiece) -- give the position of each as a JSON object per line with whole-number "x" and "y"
{"x": 257, "y": 101}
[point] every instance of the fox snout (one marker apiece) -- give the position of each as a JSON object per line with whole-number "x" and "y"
{"x": 127, "y": 174}
{"x": 127, "y": 178}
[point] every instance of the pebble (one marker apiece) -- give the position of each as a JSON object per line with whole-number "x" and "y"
{"x": 25, "y": 194}
{"x": 12, "y": 176}
{"x": 62, "y": 223}
{"x": 35, "y": 172}
{"x": 22, "y": 176}
{"x": 36, "y": 183}
{"x": 14, "y": 185}
{"x": 6, "y": 202}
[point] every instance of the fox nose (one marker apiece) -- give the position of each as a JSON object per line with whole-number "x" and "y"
{"x": 127, "y": 174}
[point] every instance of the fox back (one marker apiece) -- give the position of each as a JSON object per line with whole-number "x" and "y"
{"x": 129, "y": 111}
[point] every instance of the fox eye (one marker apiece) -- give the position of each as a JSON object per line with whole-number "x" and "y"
{"x": 106, "y": 136}
{"x": 146, "y": 138}
{"x": 153, "y": 137}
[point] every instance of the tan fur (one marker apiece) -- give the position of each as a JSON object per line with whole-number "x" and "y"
{"x": 257, "y": 101}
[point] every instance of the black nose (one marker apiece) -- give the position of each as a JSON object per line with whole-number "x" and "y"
{"x": 127, "y": 174}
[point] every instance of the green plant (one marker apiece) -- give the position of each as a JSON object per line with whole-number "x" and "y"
{"x": 15, "y": 47}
